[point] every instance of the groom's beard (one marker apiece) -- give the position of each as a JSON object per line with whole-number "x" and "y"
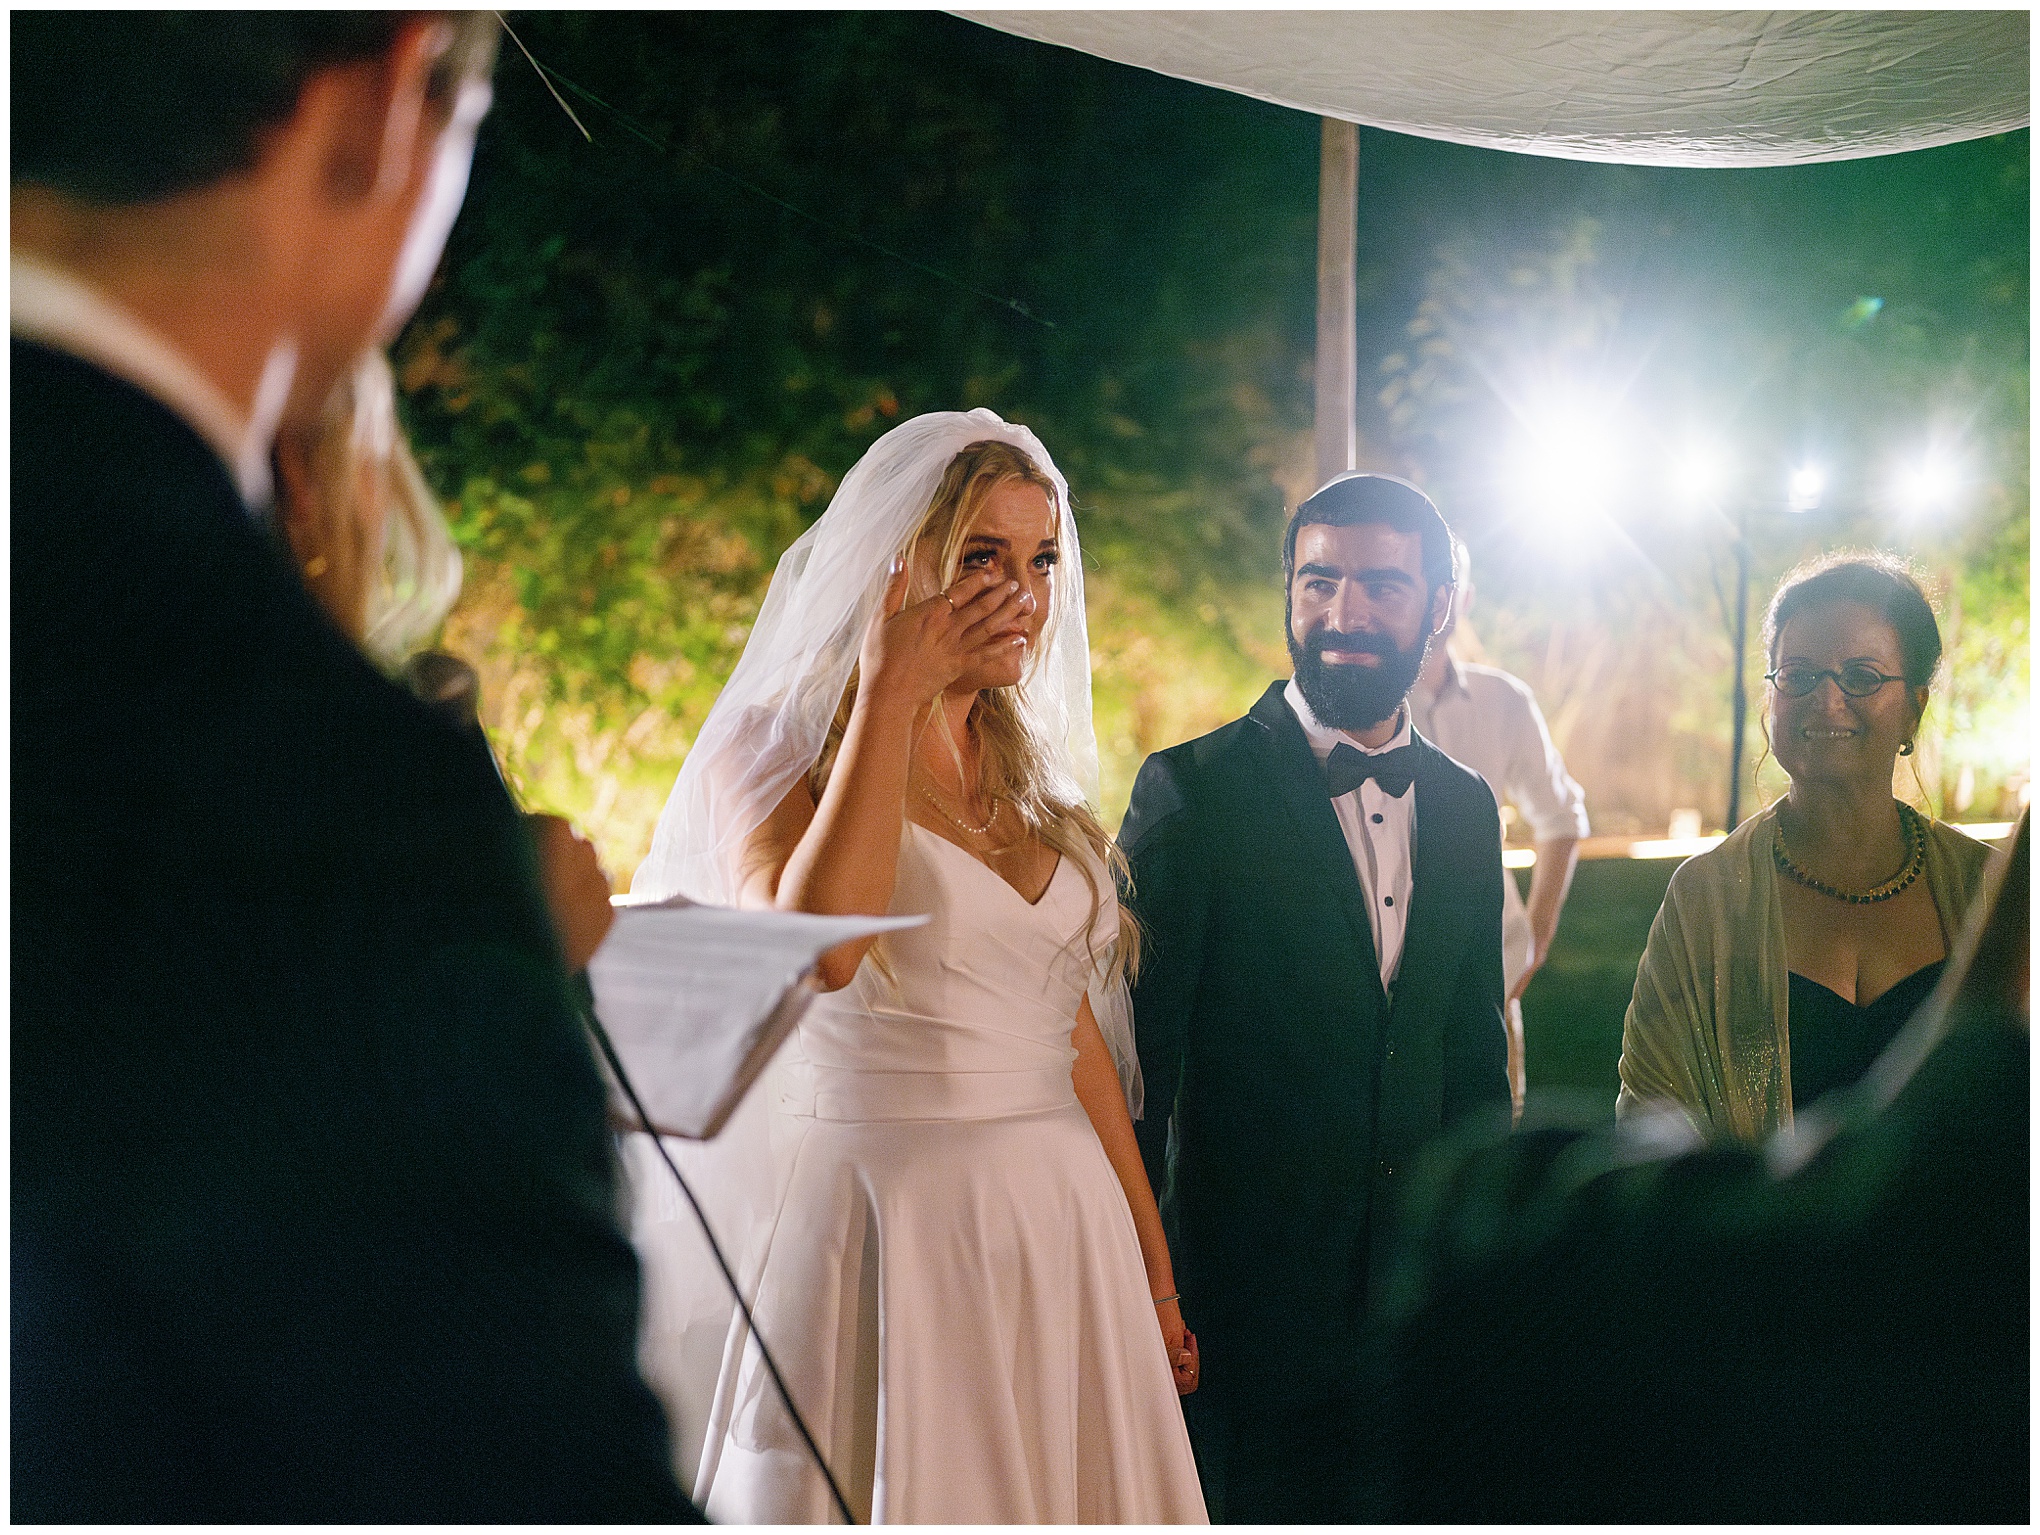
{"x": 1350, "y": 697}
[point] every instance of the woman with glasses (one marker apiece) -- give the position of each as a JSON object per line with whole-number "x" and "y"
{"x": 1786, "y": 958}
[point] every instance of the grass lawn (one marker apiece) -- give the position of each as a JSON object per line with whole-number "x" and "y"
{"x": 1572, "y": 1013}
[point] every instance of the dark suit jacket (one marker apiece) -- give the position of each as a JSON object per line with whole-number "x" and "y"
{"x": 314, "y": 1210}
{"x": 1285, "y": 1095}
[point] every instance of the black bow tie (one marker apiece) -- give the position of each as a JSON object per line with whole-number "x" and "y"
{"x": 1347, "y": 769}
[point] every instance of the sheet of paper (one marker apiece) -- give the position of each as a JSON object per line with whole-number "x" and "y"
{"x": 697, "y": 998}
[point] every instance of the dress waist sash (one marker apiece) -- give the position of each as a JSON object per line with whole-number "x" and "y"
{"x": 834, "y": 1093}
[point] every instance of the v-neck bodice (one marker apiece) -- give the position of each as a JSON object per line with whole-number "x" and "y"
{"x": 964, "y": 852}
{"x": 975, "y": 1017}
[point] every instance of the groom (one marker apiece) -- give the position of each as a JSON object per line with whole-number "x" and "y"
{"x": 1321, "y": 891}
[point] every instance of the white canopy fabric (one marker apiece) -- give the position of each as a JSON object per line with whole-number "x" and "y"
{"x": 1706, "y": 88}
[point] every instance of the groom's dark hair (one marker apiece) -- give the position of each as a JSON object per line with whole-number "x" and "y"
{"x": 118, "y": 108}
{"x": 1355, "y": 498}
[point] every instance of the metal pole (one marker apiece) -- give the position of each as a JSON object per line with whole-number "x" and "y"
{"x": 1742, "y": 642}
{"x": 1338, "y": 235}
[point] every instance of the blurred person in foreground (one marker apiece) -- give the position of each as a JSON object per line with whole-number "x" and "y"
{"x": 314, "y": 1209}
{"x": 1488, "y": 720}
{"x": 1786, "y": 958}
{"x": 1830, "y": 1329}
{"x": 374, "y": 551}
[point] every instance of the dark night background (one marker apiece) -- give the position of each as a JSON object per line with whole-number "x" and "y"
{"x": 648, "y": 360}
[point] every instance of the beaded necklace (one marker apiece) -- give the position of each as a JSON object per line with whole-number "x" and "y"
{"x": 1916, "y": 860}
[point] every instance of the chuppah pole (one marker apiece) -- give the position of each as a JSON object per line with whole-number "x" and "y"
{"x": 1338, "y": 235}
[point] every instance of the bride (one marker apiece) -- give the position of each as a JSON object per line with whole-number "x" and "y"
{"x": 959, "y": 1265}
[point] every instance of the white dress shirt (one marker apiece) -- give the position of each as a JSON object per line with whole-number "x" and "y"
{"x": 56, "y": 310}
{"x": 1489, "y": 720}
{"x": 1379, "y": 830}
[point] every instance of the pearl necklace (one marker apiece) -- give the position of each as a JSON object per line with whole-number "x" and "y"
{"x": 1916, "y": 860}
{"x": 958, "y": 822}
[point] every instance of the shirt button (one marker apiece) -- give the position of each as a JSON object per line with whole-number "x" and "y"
{"x": 1377, "y": 818}
{"x": 1388, "y": 900}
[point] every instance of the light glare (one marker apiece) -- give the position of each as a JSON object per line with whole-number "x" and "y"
{"x": 1700, "y": 475}
{"x": 1930, "y": 485}
{"x": 1805, "y": 488}
{"x": 1565, "y": 473}
{"x": 1673, "y": 847}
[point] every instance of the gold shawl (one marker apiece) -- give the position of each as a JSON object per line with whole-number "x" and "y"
{"x": 1705, "y": 1028}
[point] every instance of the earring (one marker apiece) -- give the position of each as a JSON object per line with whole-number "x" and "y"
{"x": 1905, "y": 750}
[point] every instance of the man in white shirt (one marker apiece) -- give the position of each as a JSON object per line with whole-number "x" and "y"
{"x": 314, "y": 1209}
{"x": 1489, "y": 720}
{"x": 1320, "y": 990}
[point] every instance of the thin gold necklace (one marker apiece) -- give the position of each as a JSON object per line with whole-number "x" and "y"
{"x": 1915, "y": 861}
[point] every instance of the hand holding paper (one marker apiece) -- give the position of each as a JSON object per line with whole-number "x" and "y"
{"x": 697, "y": 999}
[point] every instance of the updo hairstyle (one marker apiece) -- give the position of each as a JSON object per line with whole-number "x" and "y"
{"x": 1879, "y": 581}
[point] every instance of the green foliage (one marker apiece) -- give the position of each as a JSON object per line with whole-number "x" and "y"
{"x": 649, "y": 360}
{"x": 642, "y": 375}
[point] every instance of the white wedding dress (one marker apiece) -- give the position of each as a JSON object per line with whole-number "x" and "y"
{"x": 953, "y": 1285}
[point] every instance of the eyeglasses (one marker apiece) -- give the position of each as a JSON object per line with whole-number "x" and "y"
{"x": 1858, "y": 680}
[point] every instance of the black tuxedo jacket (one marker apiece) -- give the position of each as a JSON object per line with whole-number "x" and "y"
{"x": 314, "y": 1209}
{"x": 1285, "y": 1094}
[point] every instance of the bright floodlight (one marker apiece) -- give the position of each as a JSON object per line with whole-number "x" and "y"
{"x": 1805, "y": 488}
{"x": 1930, "y": 484}
{"x": 1565, "y": 468}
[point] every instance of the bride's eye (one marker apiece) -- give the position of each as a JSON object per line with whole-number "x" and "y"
{"x": 1048, "y": 559}
{"x": 975, "y": 559}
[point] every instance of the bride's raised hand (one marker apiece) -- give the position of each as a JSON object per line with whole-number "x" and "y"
{"x": 913, "y": 653}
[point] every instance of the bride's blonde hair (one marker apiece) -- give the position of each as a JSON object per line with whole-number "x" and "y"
{"x": 370, "y": 539}
{"x": 1014, "y": 762}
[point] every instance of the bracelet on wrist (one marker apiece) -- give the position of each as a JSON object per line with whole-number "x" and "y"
{"x": 1163, "y": 1300}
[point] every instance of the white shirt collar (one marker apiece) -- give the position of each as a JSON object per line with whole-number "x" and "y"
{"x": 1323, "y": 738}
{"x": 50, "y": 306}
